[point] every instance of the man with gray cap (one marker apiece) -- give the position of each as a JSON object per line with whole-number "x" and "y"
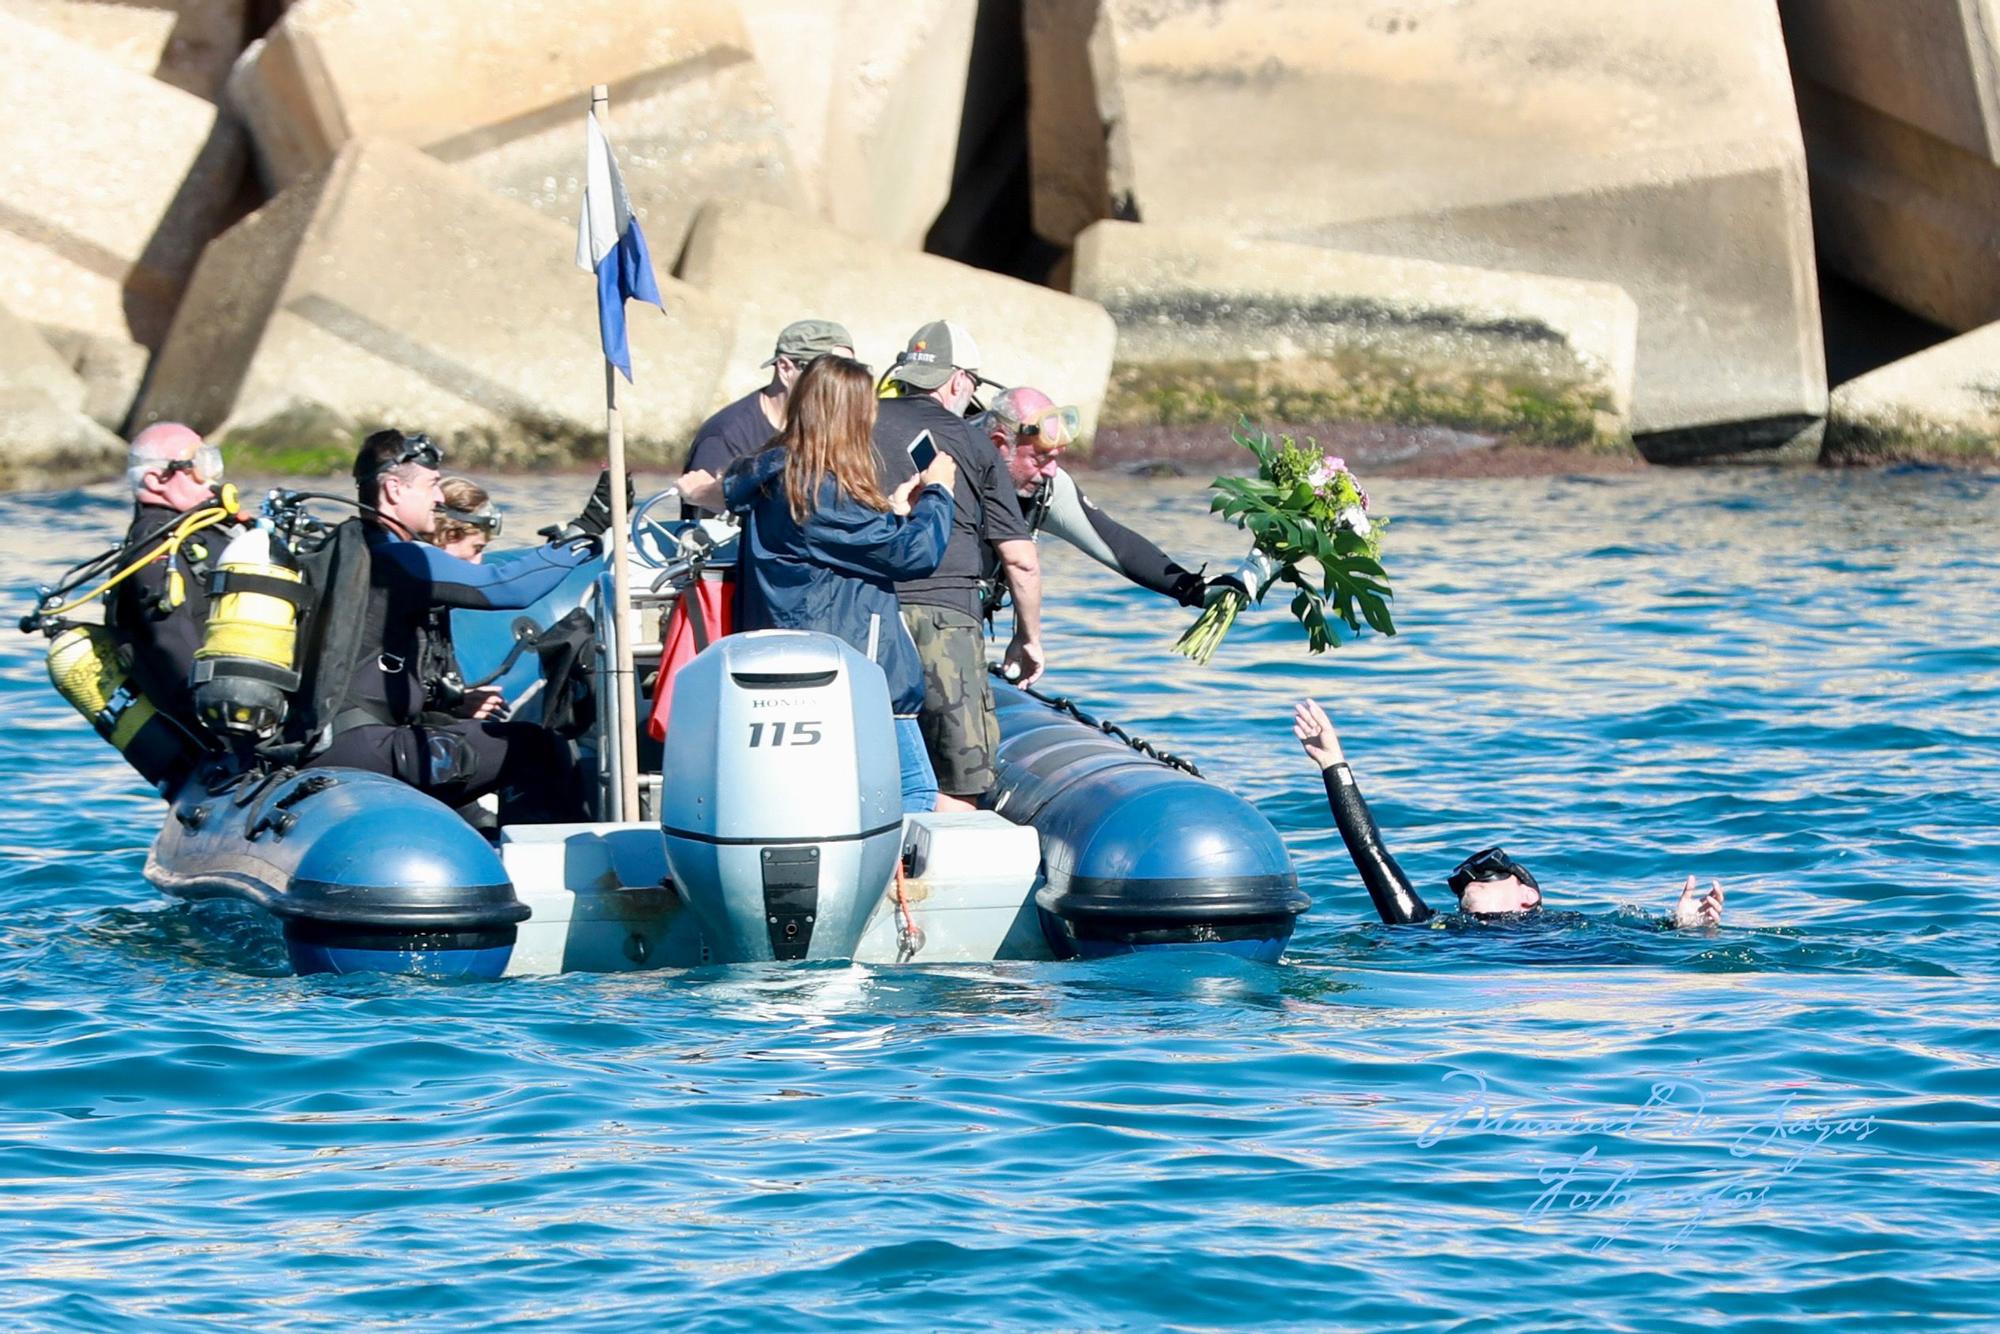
{"x": 747, "y": 425}
{"x": 934, "y": 378}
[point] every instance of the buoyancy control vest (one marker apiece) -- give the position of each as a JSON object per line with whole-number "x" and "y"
{"x": 338, "y": 566}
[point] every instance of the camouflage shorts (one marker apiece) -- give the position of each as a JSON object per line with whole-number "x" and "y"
{"x": 959, "y": 726}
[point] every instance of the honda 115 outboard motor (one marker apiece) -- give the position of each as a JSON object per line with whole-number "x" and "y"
{"x": 782, "y": 794}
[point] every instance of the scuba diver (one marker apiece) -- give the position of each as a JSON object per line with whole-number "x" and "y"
{"x": 1488, "y": 884}
{"x": 1031, "y": 432}
{"x": 130, "y": 675}
{"x": 390, "y": 717}
{"x": 161, "y": 610}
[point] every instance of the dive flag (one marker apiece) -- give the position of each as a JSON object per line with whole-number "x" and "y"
{"x": 609, "y": 244}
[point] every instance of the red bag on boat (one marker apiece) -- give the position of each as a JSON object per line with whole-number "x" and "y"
{"x": 702, "y": 615}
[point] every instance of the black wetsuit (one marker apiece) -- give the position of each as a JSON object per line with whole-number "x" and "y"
{"x": 1395, "y": 898}
{"x": 161, "y": 611}
{"x": 1059, "y": 506}
{"x": 383, "y": 723}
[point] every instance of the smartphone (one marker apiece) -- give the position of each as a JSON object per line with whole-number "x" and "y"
{"x": 923, "y": 450}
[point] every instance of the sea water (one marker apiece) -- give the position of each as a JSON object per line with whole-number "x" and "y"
{"x": 1783, "y": 681}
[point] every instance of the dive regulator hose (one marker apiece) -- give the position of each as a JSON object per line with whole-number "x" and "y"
{"x": 47, "y": 617}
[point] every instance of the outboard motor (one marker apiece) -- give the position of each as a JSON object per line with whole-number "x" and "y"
{"x": 782, "y": 802}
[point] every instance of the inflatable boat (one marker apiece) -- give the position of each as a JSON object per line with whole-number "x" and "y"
{"x": 769, "y": 828}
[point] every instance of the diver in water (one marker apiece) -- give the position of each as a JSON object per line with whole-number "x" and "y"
{"x": 1487, "y": 884}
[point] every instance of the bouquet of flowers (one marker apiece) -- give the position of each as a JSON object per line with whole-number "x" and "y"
{"x": 1313, "y": 531}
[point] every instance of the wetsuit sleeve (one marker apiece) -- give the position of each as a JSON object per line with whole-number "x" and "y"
{"x": 1395, "y": 899}
{"x": 508, "y": 585}
{"x": 882, "y": 545}
{"x": 1071, "y": 516}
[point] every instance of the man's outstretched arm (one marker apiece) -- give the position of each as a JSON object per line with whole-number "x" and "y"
{"x": 1396, "y": 900}
{"x": 1071, "y": 516}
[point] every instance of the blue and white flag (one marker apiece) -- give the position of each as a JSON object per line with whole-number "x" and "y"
{"x": 609, "y": 244}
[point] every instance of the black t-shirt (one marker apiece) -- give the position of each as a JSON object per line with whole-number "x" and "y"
{"x": 987, "y": 509}
{"x": 735, "y": 432}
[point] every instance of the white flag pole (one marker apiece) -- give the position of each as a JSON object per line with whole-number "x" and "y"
{"x": 622, "y": 675}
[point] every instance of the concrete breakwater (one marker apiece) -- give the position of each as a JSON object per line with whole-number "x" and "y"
{"x": 1552, "y": 223}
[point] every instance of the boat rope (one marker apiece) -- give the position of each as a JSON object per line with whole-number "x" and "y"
{"x": 1067, "y": 706}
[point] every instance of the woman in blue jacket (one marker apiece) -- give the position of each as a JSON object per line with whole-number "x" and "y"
{"x": 824, "y": 545}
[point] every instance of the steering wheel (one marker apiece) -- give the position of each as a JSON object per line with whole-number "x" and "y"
{"x": 654, "y": 545}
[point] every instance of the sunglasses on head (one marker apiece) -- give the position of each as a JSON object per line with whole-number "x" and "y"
{"x": 418, "y": 449}
{"x": 1489, "y": 864}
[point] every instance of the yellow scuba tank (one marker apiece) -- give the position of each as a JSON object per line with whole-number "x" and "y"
{"x": 246, "y": 665}
{"x": 89, "y": 669}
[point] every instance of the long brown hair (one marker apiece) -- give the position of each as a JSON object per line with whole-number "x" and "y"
{"x": 829, "y": 429}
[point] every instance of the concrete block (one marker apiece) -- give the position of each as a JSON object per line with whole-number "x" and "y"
{"x": 870, "y": 94}
{"x": 1907, "y": 215}
{"x": 102, "y": 215}
{"x": 393, "y": 289}
{"x": 770, "y": 267}
{"x": 1932, "y": 64}
{"x": 29, "y": 365}
{"x": 498, "y": 89}
{"x": 111, "y": 369}
{"x": 188, "y": 44}
{"x": 1901, "y": 115}
{"x": 48, "y": 442}
{"x": 1212, "y": 326}
{"x": 47, "y": 446}
{"x": 1653, "y": 145}
{"x": 1940, "y": 406}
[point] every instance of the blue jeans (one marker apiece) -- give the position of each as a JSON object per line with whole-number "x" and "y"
{"x": 920, "y": 789}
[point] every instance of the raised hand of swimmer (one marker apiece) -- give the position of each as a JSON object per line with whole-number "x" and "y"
{"x": 701, "y": 487}
{"x": 1692, "y": 913}
{"x": 1315, "y": 732}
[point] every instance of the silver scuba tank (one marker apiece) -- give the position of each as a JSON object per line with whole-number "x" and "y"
{"x": 781, "y": 794}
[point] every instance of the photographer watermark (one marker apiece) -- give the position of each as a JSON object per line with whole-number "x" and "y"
{"x": 1765, "y": 1145}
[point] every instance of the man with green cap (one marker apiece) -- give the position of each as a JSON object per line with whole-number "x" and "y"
{"x": 936, "y": 375}
{"x": 747, "y": 425}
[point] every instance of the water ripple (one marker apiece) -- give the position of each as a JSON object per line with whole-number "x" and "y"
{"x": 1782, "y": 680}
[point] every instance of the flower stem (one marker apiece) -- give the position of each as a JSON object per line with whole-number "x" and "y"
{"x": 1205, "y": 635}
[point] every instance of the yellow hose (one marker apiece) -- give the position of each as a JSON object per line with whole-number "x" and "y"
{"x": 186, "y": 527}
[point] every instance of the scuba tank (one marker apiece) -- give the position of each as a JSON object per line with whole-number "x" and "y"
{"x": 247, "y": 663}
{"x": 89, "y": 669}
